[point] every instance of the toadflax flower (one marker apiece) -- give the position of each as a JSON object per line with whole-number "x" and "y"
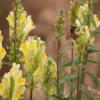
{"x": 33, "y": 53}
{"x": 12, "y": 86}
{"x": 46, "y": 75}
{"x": 85, "y": 24}
{"x": 24, "y": 23}
{"x": 2, "y": 50}
{"x": 49, "y": 67}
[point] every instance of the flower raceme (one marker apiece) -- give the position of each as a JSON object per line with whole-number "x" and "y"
{"x": 83, "y": 13}
{"x": 48, "y": 70}
{"x": 12, "y": 86}
{"x": 46, "y": 75}
{"x": 2, "y": 50}
{"x": 86, "y": 23}
{"x": 24, "y": 23}
{"x": 33, "y": 53}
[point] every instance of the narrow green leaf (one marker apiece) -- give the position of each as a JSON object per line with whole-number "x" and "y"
{"x": 96, "y": 33}
{"x": 93, "y": 61}
{"x": 67, "y": 78}
{"x": 71, "y": 63}
{"x": 92, "y": 49}
{"x": 92, "y": 76}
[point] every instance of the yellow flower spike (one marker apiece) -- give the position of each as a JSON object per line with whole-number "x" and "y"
{"x": 38, "y": 75}
{"x": 13, "y": 82}
{"x": 23, "y": 21}
{"x": 33, "y": 53}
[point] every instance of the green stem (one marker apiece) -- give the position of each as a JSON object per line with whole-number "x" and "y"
{"x": 46, "y": 92}
{"x": 15, "y": 29}
{"x": 31, "y": 89}
{"x": 72, "y": 55}
{"x": 58, "y": 69}
{"x": 79, "y": 84}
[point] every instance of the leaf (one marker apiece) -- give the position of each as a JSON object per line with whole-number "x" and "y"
{"x": 71, "y": 63}
{"x": 67, "y": 78}
{"x": 92, "y": 76}
{"x": 92, "y": 49}
{"x": 96, "y": 33}
{"x": 94, "y": 62}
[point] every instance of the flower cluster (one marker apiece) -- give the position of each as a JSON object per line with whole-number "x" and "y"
{"x": 13, "y": 84}
{"x": 2, "y": 50}
{"x": 41, "y": 68}
{"x": 46, "y": 76}
{"x": 84, "y": 26}
{"x": 33, "y": 53}
{"x": 24, "y": 23}
{"x": 49, "y": 68}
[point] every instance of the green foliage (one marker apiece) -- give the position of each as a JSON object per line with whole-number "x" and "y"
{"x": 92, "y": 49}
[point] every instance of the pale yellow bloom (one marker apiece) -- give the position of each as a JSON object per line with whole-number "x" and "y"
{"x": 10, "y": 19}
{"x": 24, "y": 24}
{"x": 97, "y": 23}
{"x": 33, "y": 53}
{"x": 84, "y": 31}
{"x": 21, "y": 81}
{"x": 91, "y": 40}
{"x": 29, "y": 25}
{"x": 83, "y": 35}
{"x": 28, "y": 45}
{"x": 14, "y": 80}
{"x": 2, "y": 50}
{"x": 1, "y": 37}
{"x": 84, "y": 8}
{"x": 2, "y": 53}
{"x": 82, "y": 11}
{"x": 40, "y": 74}
{"x": 1, "y": 89}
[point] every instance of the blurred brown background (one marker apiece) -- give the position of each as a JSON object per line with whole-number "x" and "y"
{"x": 44, "y": 13}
